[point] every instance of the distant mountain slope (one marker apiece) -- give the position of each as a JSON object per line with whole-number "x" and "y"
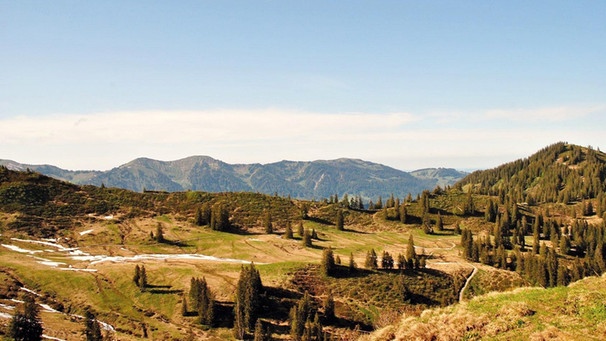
{"x": 315, "y": 179}
{"x": 443, "y": 176}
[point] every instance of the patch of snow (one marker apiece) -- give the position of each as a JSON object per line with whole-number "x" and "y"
{"x": 18, "y": 249}
{"x": 47, "y": 308}
{"x": 7, "y": 307}
{"x": 108, "y": 217}
{"x": 16, "y": 301}
{"x": 121, "y": 259}
{"x": 86, "y": 232}
{"x": 48, "y": 262}
{"x": 44, "y": 336}
{"x": 52, "y": 240}
{"x": 78, "y": 270}
{"x": 106, "y": 326}
{"x": 30, "y": 291}
{"x": 6, "y": 316}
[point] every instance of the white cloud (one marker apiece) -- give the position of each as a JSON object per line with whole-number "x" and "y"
{"x": 401, "y": 140}
{"x": 548, "y": 114}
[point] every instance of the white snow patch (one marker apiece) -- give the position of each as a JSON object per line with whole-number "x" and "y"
{"x": 106, "y": 326}
{"x": 78, "y": 269}
{"x": 48, "y": 262}
{"x": 44, "y": 336}
{"x": 108, "y": 217}
{"x": 7, "y": 307}
{"x": 86, "y": 232}
{"x": 47, "y": 308}
{"x": 30, "y": 291}
{"x": 18, "y": 249}
{"x": 6, "y": 316}
{"x": 121, "y": 259}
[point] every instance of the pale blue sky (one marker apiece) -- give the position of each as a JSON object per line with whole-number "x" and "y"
{"x": 464, "y": 84}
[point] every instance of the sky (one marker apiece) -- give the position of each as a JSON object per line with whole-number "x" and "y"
{"x": 409, "y": 84}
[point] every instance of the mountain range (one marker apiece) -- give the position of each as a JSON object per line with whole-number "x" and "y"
{"x": 299, "y": 179}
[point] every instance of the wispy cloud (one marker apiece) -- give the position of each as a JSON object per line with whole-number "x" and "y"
{"x": 545, "y": 114}
{"x": 402, "y": 140}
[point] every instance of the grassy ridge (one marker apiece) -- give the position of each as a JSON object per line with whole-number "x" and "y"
{"x": 564, "y": 313}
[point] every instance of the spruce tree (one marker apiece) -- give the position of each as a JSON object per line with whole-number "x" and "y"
{"x": 137, "y": 274}
{"x": 371, "y": 259}
{"x": 25, "y": 324}
{"x": 268, "y": 224}
{"x": 143, "y": 279}
{"x": 159, "y": 233}
{"x": 411, "y": 255}
{"x": 307, "y": 242}
{"x": 248, "y": 300}
{"x": 288, "y": 231}
{"x": 93, "y": 330}
{"x": 301, "y": 230}
{"x": 352, "y": 263}
{"x": 339, "y": 224}
{"x": 328, "y": 262}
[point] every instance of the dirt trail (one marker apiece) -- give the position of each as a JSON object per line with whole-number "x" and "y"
{"x": 461, "y": 294}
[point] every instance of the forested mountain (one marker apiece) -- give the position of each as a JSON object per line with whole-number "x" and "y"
{"x": 316, "y": 179}
{"x": 559, "y": 173}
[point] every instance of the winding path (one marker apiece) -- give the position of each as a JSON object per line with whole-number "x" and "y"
{"x": 475, "y": 270}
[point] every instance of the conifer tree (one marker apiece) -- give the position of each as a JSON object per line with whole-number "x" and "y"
{"x": 268, "y": 224}
{"x": 371, "y": 260}
{"x": 439, "y": 223}
{"x": 352, "y": 263}
{"x": 288, "y": 231}
{"x": 137, "y": 274}
{"x": 328, "y": 262}
{"x": 301, "y": 230}
{"x": 339, "y": 224}
{"x": 92, "y": 330}
{"x": 329, "y": 307}
{"x": 386, "y": 261}
{"x": 307, "y": 240}
{"x": 25, "y": 324}
{"x": 143, "y": 279}
{"x": 159, "y": 233}
{"x": 248, "y": 301}
{"x": 411, "y": 255}
{"x": 403, "y": 214}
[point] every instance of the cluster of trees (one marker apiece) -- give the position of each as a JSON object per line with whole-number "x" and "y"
{"x": 247, "y": 301}
{"x": 202, "y": 301}
{"x": 140, "y": 277}
{"x": 403, "y": 262}
{"x": 540, "y": 264}
{"x": 305, "y": 321}
{"x": 215, "y": 216}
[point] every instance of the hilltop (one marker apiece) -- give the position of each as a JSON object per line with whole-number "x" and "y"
{"x": 304, "y": 180}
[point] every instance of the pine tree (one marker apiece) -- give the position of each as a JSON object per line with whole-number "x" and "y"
{"x": 269, "y": 229}
{"x": 261, "y": 333}
{"x": 328, "y": 262}
{"x": 143, "y": 279}
{"x": 159, "y": 233}
{"x": 352, "y": 263}
{"x": 288, "y": 231}
{"x": 329, "y": 307}
{"x": 439, "y": 223}
{"x": 307, "y": 240}
{"x": 93, "y": 330}
{"x": 371, "y": 259}
{"x": 386, "y": 261}
{"x": 411, "y": 255}
{"x": 299, "y": 315}
{"x": 301, "y": 230}
{"x": 340, "y": 226}
{"x": 248, "y": 300}
{"x": 137, "y": 274}
{"x": 25, "y": 324}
